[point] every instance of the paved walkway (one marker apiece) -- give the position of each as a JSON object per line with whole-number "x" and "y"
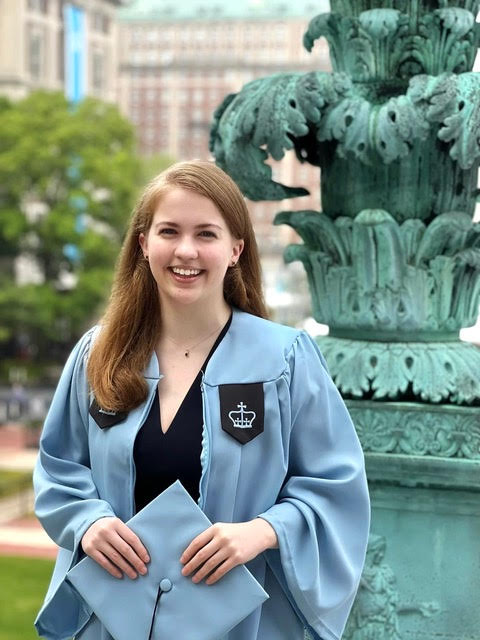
{"x": 20, "y": 532}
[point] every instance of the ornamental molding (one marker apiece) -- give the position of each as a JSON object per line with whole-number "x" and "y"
{"x": 418, "y": 430}
{"x": 375, "y": 274}
{"x": 323, "y": 116}
{"x": 384, "y": 43}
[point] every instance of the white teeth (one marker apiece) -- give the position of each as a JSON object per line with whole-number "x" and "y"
{"x": 186, "y": 272}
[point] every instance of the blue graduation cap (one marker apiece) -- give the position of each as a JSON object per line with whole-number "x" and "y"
{"x": 164, "y": 604}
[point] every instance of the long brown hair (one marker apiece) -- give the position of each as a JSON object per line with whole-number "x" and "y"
{"x": 132, "y": 321}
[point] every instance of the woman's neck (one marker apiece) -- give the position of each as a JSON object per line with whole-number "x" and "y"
{"x": 185, "y": 324}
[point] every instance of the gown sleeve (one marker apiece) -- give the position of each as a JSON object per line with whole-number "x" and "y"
{"x": 322, "y": 514}
{"x": 66, "y": 499}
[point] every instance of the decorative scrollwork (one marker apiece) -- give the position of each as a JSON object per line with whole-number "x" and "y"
{"x": 380, "y": 44}
{"x": 375, "y": 274}
{"x": 303, "y": 112}
{"x": 418, "y": 430}
{"x": 264, "y": 119}
{"x": 423, "y": 371}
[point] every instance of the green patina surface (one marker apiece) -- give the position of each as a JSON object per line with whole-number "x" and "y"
{"x": 393, "y": 265}
{"x": 395, "y": 130}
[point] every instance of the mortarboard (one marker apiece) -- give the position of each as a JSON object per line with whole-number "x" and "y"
{"x": 164, "y": 604}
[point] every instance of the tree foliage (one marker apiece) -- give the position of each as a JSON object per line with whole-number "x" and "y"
{"x": 68, "y": 179}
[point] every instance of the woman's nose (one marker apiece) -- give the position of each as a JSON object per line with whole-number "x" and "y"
{"x": 186, "y": 248}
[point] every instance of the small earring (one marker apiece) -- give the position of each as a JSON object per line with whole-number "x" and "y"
{"x": 233, "y": 263}
{"x": 146, "y": 257}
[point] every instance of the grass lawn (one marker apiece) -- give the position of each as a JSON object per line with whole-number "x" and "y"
{"x": 23, "y": 583}
{"x": 12, "y": 482}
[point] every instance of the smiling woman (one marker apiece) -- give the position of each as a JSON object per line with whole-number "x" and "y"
{"x": 189, "y": 248}
{"x": 185, "y": 379}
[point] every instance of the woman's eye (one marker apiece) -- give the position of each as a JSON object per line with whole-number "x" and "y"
{"x": 167, "y": 231}
{"x": 208, "y": 234}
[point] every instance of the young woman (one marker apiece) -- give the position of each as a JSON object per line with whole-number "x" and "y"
{"x": 186, "y": 379}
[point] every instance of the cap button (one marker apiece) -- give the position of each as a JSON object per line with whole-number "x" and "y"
{"x": 165, "y": 584}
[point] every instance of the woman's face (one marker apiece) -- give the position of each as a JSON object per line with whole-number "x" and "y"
{"x": 189, "y": 248}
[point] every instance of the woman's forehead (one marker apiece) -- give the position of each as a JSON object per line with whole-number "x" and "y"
{"x": 185, "y": 206}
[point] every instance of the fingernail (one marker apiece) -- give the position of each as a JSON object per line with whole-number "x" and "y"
{"x": 143, "y": 570}
{"x": 146, "y": 559}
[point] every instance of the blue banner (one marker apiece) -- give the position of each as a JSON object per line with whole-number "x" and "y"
{"x": 75, "y": 52}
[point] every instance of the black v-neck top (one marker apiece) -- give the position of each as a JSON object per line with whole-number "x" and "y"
{"x": 161, "y": 458}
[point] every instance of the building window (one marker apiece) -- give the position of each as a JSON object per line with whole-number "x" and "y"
{"x": 61, "y": 56}
{"x": 40, "y": 6}
{"x": 137, "y": 35}
{"x": 197, "y": 96}
{"x": 36, "y": 47}
{"x": 149, "y": 136}
{"x": 153, "y": 36}
{"x": 100, "y": 22}
{"x": 98, "y": 71}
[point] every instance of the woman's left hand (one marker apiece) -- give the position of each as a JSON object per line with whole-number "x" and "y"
{"x": 224, "y": 546}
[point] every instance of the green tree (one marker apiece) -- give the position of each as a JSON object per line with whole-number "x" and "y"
{"x": 68, "y": 180}
{"x": 152, "y": 165}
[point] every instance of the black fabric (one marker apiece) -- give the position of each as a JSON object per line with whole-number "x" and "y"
{"x": 105, "y": 418}
{"x": 242, "y": 410}
{"x": 161, "y": 458}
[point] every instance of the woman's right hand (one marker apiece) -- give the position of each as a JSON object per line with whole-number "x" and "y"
{"x": 115, "y": 547}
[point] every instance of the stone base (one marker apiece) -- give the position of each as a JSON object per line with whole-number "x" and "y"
{"x": 420, "y": 580}
{"x": 421, "y": 577}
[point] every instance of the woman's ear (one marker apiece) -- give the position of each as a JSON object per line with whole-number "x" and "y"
{"x": 237, "y": 249}
{"x": 142, "y": 240}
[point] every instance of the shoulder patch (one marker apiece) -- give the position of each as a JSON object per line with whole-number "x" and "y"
{"x": 106, "y": 418}
{"x": 242, "y": 410}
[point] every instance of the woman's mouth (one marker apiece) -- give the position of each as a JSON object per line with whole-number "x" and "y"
{"x": 185, "y": 273}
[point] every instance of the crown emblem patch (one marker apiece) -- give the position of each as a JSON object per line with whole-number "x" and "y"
{"x": 242, "y": 410}
{"x": 105, "y": 418}
{"x": 242, "y": 419}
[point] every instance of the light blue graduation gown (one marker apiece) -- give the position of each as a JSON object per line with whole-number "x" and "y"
{"x": 304, "y": 474}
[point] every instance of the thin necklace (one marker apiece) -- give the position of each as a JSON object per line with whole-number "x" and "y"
{"x": 186, "y": 352}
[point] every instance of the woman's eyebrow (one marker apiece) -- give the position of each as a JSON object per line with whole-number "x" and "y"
{"x": 176, "y": 225}
{"x": 208, "y": 224}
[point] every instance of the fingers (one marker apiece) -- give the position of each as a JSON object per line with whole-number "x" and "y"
{"x": 131, "y": 548}
{"x": 104, "y": 562}
{"x": 224, "y": 568}
{"x": 124, "y": 558}
{"x": 197, "y": 543}
{"x": 115, "y": 547}
{"x": 223, "y": 546}
{"x": 213, "y": 565}
{"x": 207, "y": 559}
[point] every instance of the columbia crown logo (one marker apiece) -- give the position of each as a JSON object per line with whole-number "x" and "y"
{"x": 242, "y": 419}
{"x": 242, "y": 410}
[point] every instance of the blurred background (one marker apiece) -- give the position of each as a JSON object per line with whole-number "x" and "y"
{"x": 97, "y": 97}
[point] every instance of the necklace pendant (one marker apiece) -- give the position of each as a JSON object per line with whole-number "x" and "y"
{"x": 187, "y": 353}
